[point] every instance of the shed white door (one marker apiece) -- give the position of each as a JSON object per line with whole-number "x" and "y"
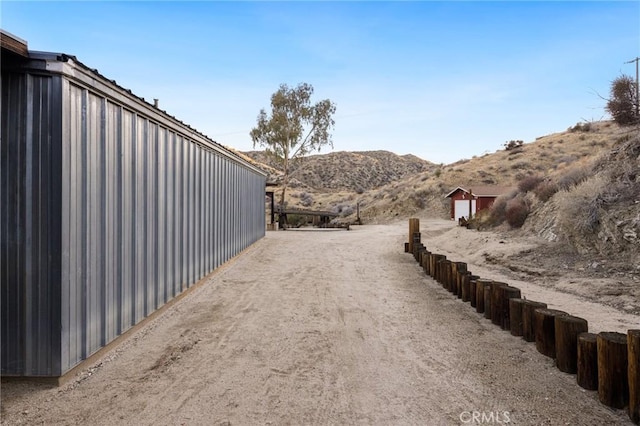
{"x": 461, "y": 209}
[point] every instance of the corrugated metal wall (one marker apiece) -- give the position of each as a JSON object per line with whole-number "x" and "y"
{"x": 108, "y": 212}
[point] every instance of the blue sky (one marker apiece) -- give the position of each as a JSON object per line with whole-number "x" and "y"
{"x": 443, "y": 80}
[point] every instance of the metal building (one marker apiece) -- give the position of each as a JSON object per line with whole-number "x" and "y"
{"x": 109, "y": 209}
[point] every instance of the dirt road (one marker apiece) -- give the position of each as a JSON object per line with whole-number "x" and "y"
{"x": 319, "y": 327}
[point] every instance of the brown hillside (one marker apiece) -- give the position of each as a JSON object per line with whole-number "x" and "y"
{"x": 354, "y": 171}
{"x": 387, "y": 186}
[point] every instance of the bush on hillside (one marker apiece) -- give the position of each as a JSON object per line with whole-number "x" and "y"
{"x": 529, "y": 183}
{"x": 516, "y": 211}
{"x": 545, "y": 190}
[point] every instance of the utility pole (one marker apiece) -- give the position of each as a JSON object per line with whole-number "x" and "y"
{"x": 636, "y": 60}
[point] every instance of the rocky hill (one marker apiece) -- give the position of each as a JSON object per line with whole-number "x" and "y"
{"x": 351, "y": 171}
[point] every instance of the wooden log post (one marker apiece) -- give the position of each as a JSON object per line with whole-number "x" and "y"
{"x": 496, "y": 302}
{"x": 568, "y": 328}
{"x": 416, "y": 245}
{"x": 488, "y": 288}
{"x": 515, "y": 316}
{"x": 414, "y": 227}
{"x": 613, "y": 382}
{"x": 528, "y": 319}
{"x": 437, "y": 260}
{"x": 461, "y": 271}
{"x": 508, "y": 293}
{"x": 633, "y": 346}
{"x": 473, "y": 281}
{"x": 480, "y": 285}
{"x": 421, "y": 249}
{"x": 466, "y": 286}
{"x": 445, "y": 269}
{"x": 432, "y": 264}
{"x": 449, "y": 283}
{"x": 587, "y": 361}
{"x": 545, "y": 325}
{"x": 425, "y": 261}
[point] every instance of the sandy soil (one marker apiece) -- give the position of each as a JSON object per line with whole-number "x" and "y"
{"x": 333, "y": 327}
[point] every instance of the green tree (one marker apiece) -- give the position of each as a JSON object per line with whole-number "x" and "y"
{"x": 622, "y": 105}
{"x": 295, "y": 127}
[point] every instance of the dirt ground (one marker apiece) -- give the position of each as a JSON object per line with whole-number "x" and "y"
{"x": 338, "y": 327}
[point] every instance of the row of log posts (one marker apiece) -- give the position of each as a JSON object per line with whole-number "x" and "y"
{"x": 606, "y": 362}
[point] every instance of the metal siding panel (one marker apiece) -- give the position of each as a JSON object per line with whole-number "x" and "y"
{"x": 75, "y": 219}
{"x": 210, "y": 217}
{"x": 191, "y": 199}
{"x": 110, "y": 190}
{"x": 161, "y": 202}
{"x": 13, "y": 107}
{"x": 170, "y": 246}
{"x": 182, "y": 218}
{"x": 200, "y": 205}
{"x": 150, "y": 218}
{"x": 66, "y": 354}
{"x": 140, "y": 219}
{"x": 127, "y": 217}
{"x": 142, "y": 212}
{"x": 217, "y": 225}
{"x": 93, "y": 170}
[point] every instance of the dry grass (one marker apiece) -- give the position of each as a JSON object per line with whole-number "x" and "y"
{"x": 388, "y": 186}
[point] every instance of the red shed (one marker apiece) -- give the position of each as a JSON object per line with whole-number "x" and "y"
{"x": 482, "y": 198}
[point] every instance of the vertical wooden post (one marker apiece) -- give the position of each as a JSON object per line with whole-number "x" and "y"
{"x": 414, "y": 227}
{"x": 488, "y": 288}
{"x": 633, "y": 343}
{"x": 568, "y": 328}
{"x": 472, "y": 290}
{"x": 496, "y": 302}
{"x": 545, "y": 320}
{"x": 613, "y": 383}
{"x": 461, "y": 270}
{"x": 480, "y": 285}
{"x": 508, "y": 293}
{"x": 515, "y": 316}
{"x": 466, "y": 286}
{"x": 587, "y": 361}
{"x": 438, "y": 259}
{"x": 528, "y": 319}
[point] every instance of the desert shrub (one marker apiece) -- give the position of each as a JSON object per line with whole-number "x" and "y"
{"x": 438, "y": 172}
{"x": 512, "y": 144}
{"x": 545, "y": 190}
{"x": 579, "y": 208}
{"x": 296, "y": 220}
{"x": 519, "y": 165}
{"x": 347, "y": 211}
{"x": 306, "y": 199}
{"x": 498, "y": 210}
{"x": 580, "y": 127}
{"x": 529, "y": 183}
{"x": 343, "y": 209}
{"x": 623, "y": 101}
{"x": 516, "y": 211}
{"x": 573, "y": 177}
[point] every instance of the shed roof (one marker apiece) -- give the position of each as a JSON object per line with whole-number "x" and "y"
{"x": 482, "y": 190}
{"x": 13, "y": 44}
